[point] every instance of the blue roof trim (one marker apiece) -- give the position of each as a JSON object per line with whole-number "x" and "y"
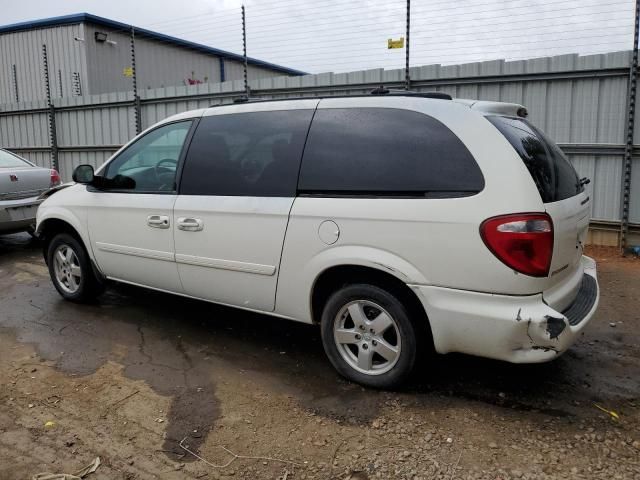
{"x": 89, "y": 18}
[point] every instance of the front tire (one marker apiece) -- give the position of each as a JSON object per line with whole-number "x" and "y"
{"x": 70, "y": 269}
{"x": 368, "y": 336}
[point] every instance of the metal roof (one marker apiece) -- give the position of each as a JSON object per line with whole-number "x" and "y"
{"x": 95, "y": 19}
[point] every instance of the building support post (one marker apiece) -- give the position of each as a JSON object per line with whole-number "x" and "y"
{"x": 53, "y": 136}
{"x": 14, "y": 76}
{"x": 628, "y": 150}
{"x": 60, "y": 83}
{"x": 134, "y": 78}
{"x": 222, "y": 74}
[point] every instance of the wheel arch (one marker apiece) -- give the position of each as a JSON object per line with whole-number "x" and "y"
{"x": 337, "y": 276}
{"x": 50, "y": 226}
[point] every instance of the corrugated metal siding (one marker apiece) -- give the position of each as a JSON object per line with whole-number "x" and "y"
{"x": 42, "y": 159}
{"x": 68, "y": 161}
{"x": 158, "y": 64}
{"x": 579, "y": 101}
{"x": 24, "y": 130}
{"x": 24, "y": 49}
{"x": 235, "y": 70}
{"x": 100, "y": 65}
{"x": 103, "y": 124}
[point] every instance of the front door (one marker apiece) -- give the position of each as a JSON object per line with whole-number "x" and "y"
{"x": 130, "y": 213}
{"x": 237, "y": 188}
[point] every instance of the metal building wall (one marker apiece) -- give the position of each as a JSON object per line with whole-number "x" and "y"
{"x": 24, "y": 49}
{"x": 158, "y": 64}
{"x": 580, "y": 101}
{"x": 100, "y": 65}
{"x": 235, "y": 70}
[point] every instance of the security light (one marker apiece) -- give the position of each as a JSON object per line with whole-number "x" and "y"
{"x": 100, "y": 37}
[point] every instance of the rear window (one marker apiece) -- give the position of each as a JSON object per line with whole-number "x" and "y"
{"x": 553, "y": 174}
{"x": 383, "y": 151}
{"x": 7, "y": 160}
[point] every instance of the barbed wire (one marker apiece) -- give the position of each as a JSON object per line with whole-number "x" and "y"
{"x": 332, "y": 35}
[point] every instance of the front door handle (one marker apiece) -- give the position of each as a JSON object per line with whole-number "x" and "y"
{"x": 158, "y": 221}
{"x": 190, "y": 224}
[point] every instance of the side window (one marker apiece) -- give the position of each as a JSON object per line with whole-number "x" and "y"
{"x": 249, "y": 154}
{"x": 384, "y": 151}
{"x": 150, "y": 163}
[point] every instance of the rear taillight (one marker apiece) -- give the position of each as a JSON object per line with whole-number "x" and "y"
{"x": 55, "y": 178}
{"x": 523, "y": 242}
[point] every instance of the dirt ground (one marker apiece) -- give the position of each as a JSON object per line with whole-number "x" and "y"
{"x": 139, "y": 375}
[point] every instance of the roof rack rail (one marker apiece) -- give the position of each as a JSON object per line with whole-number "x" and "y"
{"x": 382, "y": 90}
{"x": 242, "y": 99}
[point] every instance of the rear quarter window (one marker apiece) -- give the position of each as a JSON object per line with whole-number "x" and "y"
{"x": 383, "y": 151}
{"x": 553, "y": 174}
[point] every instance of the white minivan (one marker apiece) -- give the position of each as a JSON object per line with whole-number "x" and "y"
{"x": 398, "y": 222}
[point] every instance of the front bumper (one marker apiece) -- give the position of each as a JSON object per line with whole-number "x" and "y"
{"x": 519, "y": 329}
{"x": 18, "y": 215}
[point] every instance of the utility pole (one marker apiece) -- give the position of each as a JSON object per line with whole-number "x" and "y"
{"x": 407, "y": 77}
{"x": 628, "y": 150}
{"x": 244, "y": 51}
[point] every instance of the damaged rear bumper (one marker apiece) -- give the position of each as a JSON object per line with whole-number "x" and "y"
{"x": 519, "y": 329}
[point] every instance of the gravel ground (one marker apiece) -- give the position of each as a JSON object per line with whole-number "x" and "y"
{"x": 138, "y": 376}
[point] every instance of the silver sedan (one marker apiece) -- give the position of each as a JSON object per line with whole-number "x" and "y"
{"x": 21, "y": 183}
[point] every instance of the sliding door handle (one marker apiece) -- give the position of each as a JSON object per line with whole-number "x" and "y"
{"x": 190, "y": 224}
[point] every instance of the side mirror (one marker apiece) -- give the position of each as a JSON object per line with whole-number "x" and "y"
{"x": 83, "y": 174}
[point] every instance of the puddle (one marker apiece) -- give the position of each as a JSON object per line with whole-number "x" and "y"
{"x": 176, "y": 345}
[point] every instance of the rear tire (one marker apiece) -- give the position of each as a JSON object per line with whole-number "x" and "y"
{"x": 71, "y": 270}
{"x": 368, "y": 336}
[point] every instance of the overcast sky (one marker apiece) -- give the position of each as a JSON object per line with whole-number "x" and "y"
{"x": 335, "y": 35}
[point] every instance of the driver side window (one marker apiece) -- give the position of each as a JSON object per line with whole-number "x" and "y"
{"x": 150, "y": 163}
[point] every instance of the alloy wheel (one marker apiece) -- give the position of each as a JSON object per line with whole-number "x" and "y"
{"x": 367, "y": 337}
{"x": 67, "y": 268}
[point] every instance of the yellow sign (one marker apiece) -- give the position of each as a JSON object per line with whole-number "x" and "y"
{"x": 391, "y": 43}
{"x": 127, "y": 71}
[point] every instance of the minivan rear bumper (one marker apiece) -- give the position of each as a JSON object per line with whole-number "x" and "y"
{"x": 519, "y": 329}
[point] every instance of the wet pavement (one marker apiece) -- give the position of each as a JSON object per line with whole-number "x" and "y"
{"x": 186, "y": 351}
